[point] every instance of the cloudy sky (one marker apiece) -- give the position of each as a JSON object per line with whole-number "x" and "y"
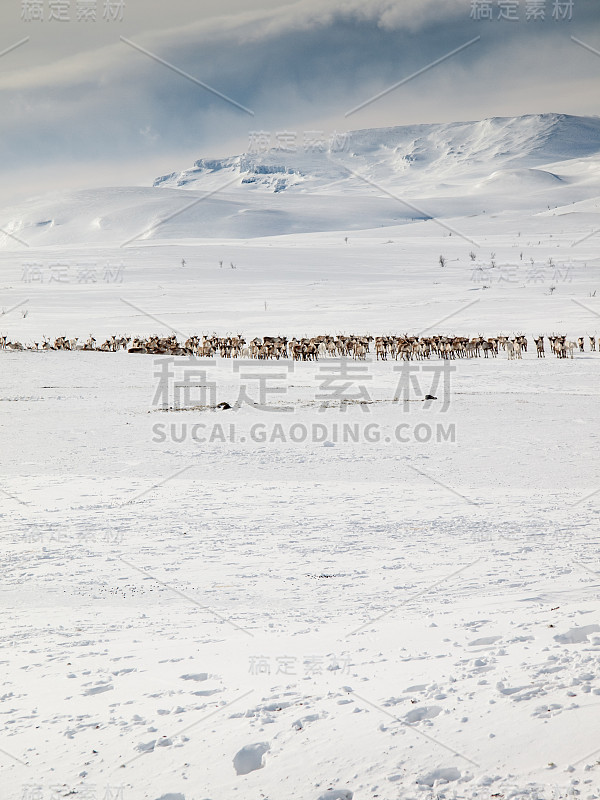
{"x": 83, "y": 108}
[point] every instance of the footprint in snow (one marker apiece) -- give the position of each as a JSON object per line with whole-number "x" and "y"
{"x": 440, "y": 775}
{"x": 485, "y": 640}
{"x": 171, "y": 796}
{"x": 146, "y": 747}
{"x": 425, "y": 712}
{"x": 577, "y": 635}
{"x": 250, "y": 758}
{"x": 99, "y": 689}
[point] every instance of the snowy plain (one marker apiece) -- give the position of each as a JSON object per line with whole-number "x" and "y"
{"x": 195, "y": 613}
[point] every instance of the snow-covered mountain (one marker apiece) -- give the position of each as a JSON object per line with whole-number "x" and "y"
{"x": 422, "y": 157}
{"x": 527, "y": 164}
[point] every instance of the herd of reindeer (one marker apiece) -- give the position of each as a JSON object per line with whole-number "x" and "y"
{"x": 311, "y": 349}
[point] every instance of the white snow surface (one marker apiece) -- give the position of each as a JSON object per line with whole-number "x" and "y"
{"x": 391, "y": 617}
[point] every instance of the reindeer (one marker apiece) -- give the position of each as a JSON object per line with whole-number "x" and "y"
{"x": 487, "y": 346}
{"x": 557, "y": 343}
{"x": 539, "y": 344}
{"x": 513, "y": 348}
{"x": 381, "y": 348}
{"x": 522, "y": 340}
{"x": 405, "y": 346}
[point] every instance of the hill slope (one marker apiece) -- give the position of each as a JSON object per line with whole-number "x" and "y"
{"x": 524, "y": 164}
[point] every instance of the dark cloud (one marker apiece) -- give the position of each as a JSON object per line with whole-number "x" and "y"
{"x": 297, "y": 66}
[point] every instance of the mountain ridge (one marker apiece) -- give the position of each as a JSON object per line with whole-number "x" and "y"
{"x": 383, "y": 177}
{"x": 429, "y": 149}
